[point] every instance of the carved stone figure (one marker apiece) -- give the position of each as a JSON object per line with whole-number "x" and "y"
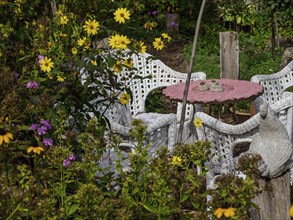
{"x": 272, "y": 143}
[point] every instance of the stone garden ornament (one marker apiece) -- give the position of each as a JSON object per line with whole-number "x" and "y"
{"x": 272, "y": 143}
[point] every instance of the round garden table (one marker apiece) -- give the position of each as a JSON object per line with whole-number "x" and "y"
{"x": 201, "y": 91}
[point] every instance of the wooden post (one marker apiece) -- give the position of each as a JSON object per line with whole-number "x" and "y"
{"x": 172, "y": 23}
{"x": 229, "y": 55}
{"x": 273, "y": 200}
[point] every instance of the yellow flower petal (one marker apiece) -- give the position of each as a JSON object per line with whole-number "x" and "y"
{"x": 158, "y": 43}
{"x": 1, "y": 139}
{"x": 29, "y": 149}
{"x": 219, "y": 212}
{"x": 291, "y": 211}
{"x": 6, "y": 139}
{"x": 9, "y": 135}
{"x": 39, "y": 149}
{"x": 230, "y": 212}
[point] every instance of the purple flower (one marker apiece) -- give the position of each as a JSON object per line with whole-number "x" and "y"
{"x": 32, "y": 85}
{"x": 173, "y": 24}
{"x": 34, "y": 127}
{"x": 40, "y": 57}
{"x": 155, "y": 13}
{"x": 66, "y": 163}
{"x": 71, "y": 157}
{"x": 15, "y": 75}
{"x": 42, "y": 130}
{"x": 47, "y": 142}
{"x": 46, "y": 124}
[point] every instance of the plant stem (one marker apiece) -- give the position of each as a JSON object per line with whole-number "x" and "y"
{"x": 189, "y": 71}
{"x": 10, "y": 216}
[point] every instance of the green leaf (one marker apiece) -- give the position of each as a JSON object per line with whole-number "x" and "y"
{"x": 25, "y": 57}
{"x": 184, "y": 197}
{"x": 73, "y": 209}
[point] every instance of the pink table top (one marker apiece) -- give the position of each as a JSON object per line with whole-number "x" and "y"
{"x": 233, "y": 91}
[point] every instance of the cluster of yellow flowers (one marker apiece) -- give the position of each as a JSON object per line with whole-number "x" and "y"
{"x": 36, "y": 150}
{"x": 117, "y": 41}
{"x": 177, "y": 161}
{"x": 229, "y": 212}
{"x": 150, "y": 25}
{"x": 159, "y": 41}
{"x": 5, "y": 31}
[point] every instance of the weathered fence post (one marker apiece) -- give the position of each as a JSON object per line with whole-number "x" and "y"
{"x": 172, "y": 23}
{"x": 274, "y": 200}
{"x": 273, "y": 144}
{"x": 229, "y": 55}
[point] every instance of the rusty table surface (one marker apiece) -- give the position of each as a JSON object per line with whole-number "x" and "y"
{"x": 233, "y": 91}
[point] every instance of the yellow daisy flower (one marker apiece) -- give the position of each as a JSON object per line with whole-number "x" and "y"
{"x": 121, "y": 14}
{"x": 50, "y": 76}
{"x": 49, "y": 44}
{"x": 74, "y": 51}
{"x": 123, "y": 42}
{"x": 230, "y": 212}
{"x": 197, "y": 122}
{"x": 117, "y": 67}
{"x": 128, "y": 63}
{"x": 166, "y": 36}
{"x": 60, "y": 78}
{"x": 150, "y": 25}
{"x": 141, "y": 47}
{"x": 176, "y": 160}
{"x": 87, "y": 44}
{"x": 94, "y": 62}
{"x": 46, "y": 64}
{"x": 113, "y": 41}
{"x": 41, "y": 28}
{"x": 5, "y": 136}
{"x": 81, "y": 41}
{"x": 62, "y": 35}
{"x": 119, "y": 42}
{"x": 36, "y": 150}
{"x": 124, "y": 98}
{"x": 91, "y": 27}
{"x": 158, "y": 43}
{"x": 63, "y": 20}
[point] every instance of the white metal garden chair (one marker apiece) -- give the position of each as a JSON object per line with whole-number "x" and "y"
{"x": 157, "y": 75}
{"x": 162, "y": 128}
{"x": 276, "y": 84}
{"x": 224, "y": 137}
{"x": 276, "y": 88}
